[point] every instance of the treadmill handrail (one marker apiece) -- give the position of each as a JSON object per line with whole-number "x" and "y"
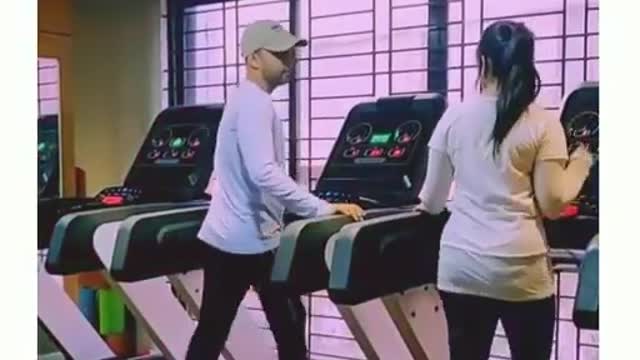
{"x": 586, "y": 308}
{"x": 168, "y": 230}
{"x": 293, "y": 229}
{"x": 359, "y": 225}
{"x": 300, "y": 265}
{"x": 287, "y": 254}
{"x": 351, "y": 231}
{"x": 120, "y": 262}
{"x": 358, "y": 250}
{"x": 68, "y": 226}
{"x": 131, "y": 221}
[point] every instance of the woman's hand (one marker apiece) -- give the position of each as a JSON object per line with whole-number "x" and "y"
{"x": 582, "y": 154}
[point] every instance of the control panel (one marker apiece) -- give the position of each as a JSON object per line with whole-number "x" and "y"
{"x": 379, "y": 158}
{"x": 119, "y": 195}
{"x": 377, "y": 142}
{"x": 176, "y": 158}
{"x": 176, "y": 144}
{"x": 343, "y": 197}
{"x": 48, "y": 157}
{"x": 580, "y": 220}
{"x": 581, "y": 120}
{"x": 173, "y": 164}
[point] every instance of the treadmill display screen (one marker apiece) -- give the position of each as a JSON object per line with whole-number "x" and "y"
{"x": 581, "y": 120}
{"x": 176, "y": 157}
{"x": 175, "y": 145}
{"x": 48, "y": 157}
{"x": 381, "y": 152}
{"x": 379, "y": 142}
{"x": 380, "y": 138}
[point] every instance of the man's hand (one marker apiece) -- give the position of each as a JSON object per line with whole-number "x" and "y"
{"x": 420, "y": 208}
{"x": 352, "y": 210}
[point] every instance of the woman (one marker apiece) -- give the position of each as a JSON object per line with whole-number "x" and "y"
{"x": 508, "y": 158}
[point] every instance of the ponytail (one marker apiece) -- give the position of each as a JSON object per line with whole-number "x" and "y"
{"x": 508, "y": 50}
{"x": 517, "y": 92}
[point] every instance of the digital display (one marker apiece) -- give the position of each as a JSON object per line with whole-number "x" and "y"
{"x": 379, "y": 142}
{"x": 47, "y": 159}
{"x": 177, "y": 142}
{"x": 380, "y": 138}
{"x": 175, "y": 145}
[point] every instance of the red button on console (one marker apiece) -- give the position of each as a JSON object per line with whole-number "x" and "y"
{"x": 374, "y": 152}
{"x": 113, "y": 200}
{"x": 397, "y": 152}
{"x": 570, "y": 211}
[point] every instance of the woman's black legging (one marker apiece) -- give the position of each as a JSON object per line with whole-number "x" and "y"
{"x": 472, "y": 322}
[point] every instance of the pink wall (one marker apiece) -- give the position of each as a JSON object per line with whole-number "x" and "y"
{"x": 48, "y": 87}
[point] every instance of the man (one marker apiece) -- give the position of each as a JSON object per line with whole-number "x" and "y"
{"x": 248, "y": 198}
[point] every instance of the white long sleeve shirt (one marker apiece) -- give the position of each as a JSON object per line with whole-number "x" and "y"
{"x": 251, "y": 189}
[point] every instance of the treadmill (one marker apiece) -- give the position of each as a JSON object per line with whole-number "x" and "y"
{"x": 378, "y": 162}
{"x": 59, "y": 319}
{"x": 145, "y": 269}
{"x": 145, "y": 252}
{"x": 390, "y": 134}
{"x": 171, "y": 170}
{"x": 401, "y": 252}
{"x": 577, "y": 235}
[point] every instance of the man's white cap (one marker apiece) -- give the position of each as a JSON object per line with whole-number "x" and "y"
{"x": 268, "y": 35}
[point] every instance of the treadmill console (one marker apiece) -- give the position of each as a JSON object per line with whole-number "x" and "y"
{"x": 175, "y": 160}
{"x": 378, "y": 162}
{"x": 184, "y": 138}
{"x": 48, "y": 157}
{"x": 379, "y": 158}
{"x": 118, "y": 195}
{"x": 579, "y": 221}
{"x": 581, "y": 120}
{"x": 378, "y": 142}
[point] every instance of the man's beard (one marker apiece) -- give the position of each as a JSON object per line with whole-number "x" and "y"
{"x": 284, "y": 78}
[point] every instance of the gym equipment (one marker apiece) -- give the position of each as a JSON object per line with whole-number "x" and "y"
{"x": 48, "y": 157}
{"x": 379, "y": 162}
{"x": 586, "y": 311}
{"x": 387, "y": 266}
{"x": 171, "y": 170}
{"x": 389, "y": 135}
{"x": 70, "y": 328}
{"x": 575, "y": 238}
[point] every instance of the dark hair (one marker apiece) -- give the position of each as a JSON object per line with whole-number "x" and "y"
{"x": 507, "y": 49}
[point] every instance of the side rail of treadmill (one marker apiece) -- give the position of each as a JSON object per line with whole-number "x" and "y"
{"x": 50, "y": 211}
{"x": 385, "y": 255}
{"x": 158, "y": 244}
{"x": 379, "y": 274}
{"x": 71, "y": 250}
{"x": 153, "y": 248}
{"x": 300, "y": 265}
{"x": 571, "y": 233}
{"x": 586, "y": 312}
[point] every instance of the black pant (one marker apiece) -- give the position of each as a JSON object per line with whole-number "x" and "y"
{"x": 472, "y": 322}
{"x": 227, "y": 278}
